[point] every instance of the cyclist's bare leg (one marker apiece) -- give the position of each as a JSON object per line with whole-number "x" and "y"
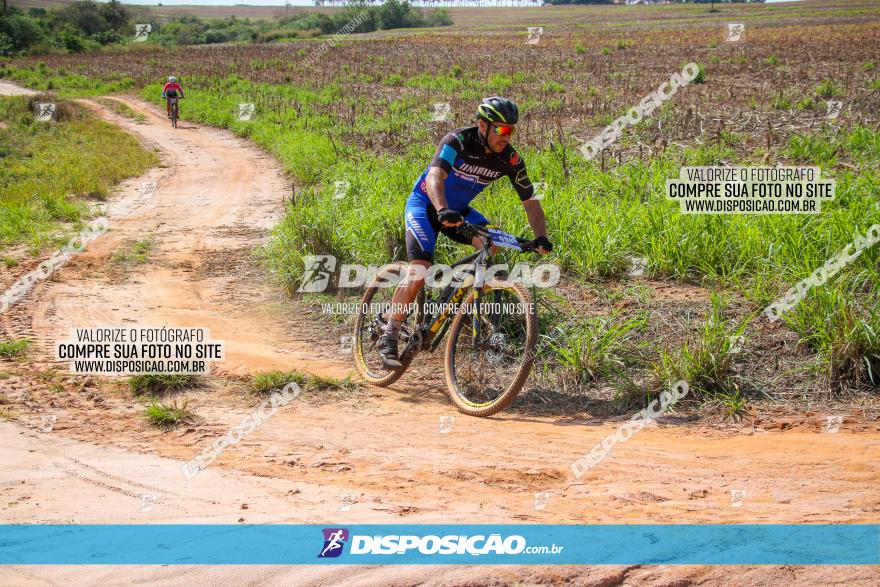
{"x": 408, "y": 289}
{"x": 415, "y": 278}
{"x": 404, "y": 295}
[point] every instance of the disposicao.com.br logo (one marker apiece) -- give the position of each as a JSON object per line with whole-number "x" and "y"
{"x": 319, "y": 271}
{"x": 411, "y": 544}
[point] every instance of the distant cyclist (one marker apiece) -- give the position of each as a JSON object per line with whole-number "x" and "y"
{"x": 172, "y": 89}
{"x": 466, "y": 161}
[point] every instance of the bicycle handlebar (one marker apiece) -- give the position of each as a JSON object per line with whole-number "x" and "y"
{"x": 472, "y": 230}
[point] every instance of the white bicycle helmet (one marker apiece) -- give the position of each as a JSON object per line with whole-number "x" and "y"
{"x": 172, "y": 79}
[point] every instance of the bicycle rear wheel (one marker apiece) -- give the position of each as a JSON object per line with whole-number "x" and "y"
{"x": 372, "y": 316}
{"x": 485, "y": 372}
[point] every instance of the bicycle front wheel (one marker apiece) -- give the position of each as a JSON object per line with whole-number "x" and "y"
{"x": 491, "y": 349}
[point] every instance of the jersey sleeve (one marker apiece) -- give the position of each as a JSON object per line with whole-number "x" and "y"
{"x": 448, "y": 149}
{"x": 518, "y": 175}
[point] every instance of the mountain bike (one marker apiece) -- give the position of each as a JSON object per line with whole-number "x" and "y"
{"x": 491, "y": 322}
{"x": 172, "y": 101}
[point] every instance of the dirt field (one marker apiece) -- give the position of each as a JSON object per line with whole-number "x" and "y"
{"x": 381, "y": 449}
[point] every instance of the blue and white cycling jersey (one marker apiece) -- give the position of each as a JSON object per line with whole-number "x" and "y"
{"x": 470, "y": 169}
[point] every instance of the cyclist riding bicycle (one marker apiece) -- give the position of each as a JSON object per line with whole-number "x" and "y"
{"x": 171, "y": 90}
{"x": 466, "y": 161}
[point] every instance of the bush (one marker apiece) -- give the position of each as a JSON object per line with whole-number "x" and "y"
{"x": 440, "y": 17}
{"x": 17, "y": 33}
{"x": 72, "y": 42}
{"x": 83, "y": 25}
{"x": 168, "y": 415}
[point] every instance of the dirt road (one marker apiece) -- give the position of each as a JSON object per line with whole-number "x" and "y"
{"x": 10, "y": 89}
{"x": 377, "y": 456}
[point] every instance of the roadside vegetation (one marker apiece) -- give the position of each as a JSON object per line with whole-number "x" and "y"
{"x": 134, "y": 253}
{"x": 161, "y": 384}
{"x": 759, "y": 257}
{"x": 168, "y": 415}
{"x": 83, "y": 26}
{"x": 14, "y": 348}
{"x": 50, "y": 172}
{"x": 266, "y": 382}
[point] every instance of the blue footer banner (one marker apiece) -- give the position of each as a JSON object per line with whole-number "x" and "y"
{"x": 623, "y": 544}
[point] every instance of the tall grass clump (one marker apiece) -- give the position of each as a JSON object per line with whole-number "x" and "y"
{"x": 594, "y": 348}
{"x": 705, "y": 358}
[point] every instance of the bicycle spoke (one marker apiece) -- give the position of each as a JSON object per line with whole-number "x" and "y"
{"x": 486, "y": 365}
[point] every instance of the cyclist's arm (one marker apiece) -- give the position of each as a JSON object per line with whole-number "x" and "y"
{"x": 537, "y": 220}
{"x": 441, "y": 165}
{"x": 519, "y": 177}
{"x": 436, "y": 187}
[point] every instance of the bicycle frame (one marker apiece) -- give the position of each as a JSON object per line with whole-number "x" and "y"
{"x": 431, "y": 329}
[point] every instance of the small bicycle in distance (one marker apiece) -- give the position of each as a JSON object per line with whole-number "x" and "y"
{"x": 172, "y": 103}
{"x": 492, "y": 326}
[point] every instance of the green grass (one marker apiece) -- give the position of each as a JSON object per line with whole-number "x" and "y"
{"x": 843, "y": 327}
{"x": 123, "y": 109}
{"x": 325, "y": 382}
{"x": 160, "y": 384}
{"x": 705, "y": 360}
{"x": 827, "y": 90}
{"x": 597, "y": 219}
{"x": 594, "y": 348}
{"x": 14, "y": 348}
{"x": 269, "y": 381}
{"x": 167, "y": 415}
{"x": 66, "y": 85}
{"x": 805, "y": 103}
{"x": 134, "y": 253}
{"x": 49, "y": 171}
{"x": 781, "y": 102}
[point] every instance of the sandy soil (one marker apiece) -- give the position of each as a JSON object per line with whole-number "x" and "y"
{"x": 381, "y": 449}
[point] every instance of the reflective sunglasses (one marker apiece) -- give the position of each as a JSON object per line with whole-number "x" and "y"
{"x": 504, "y": 130}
